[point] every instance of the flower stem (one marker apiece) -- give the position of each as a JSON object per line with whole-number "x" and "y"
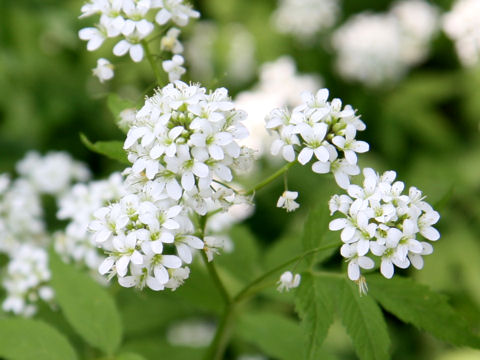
{"x": 222, "y": 335}
{"x": 153, "y": 65}
{"x": 245, "y": 292}
{"x": 271, "y": 178}
{"x": 216, "y": 279}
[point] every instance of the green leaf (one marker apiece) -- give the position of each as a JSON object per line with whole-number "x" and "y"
{"x": 87, "y": 306}
{"x": 157, "y": 347}
{"x": 27, "y": 339}
{"x": 244, "y": 261}
{"x": 315, "y": 304}
{"x": 418, "y": 305}
{"x": 111, "y": 149}
{"x": 277, "y": 336}
{"x": 116, "y": 105}
{"x": 129, "y": 356}
{"x": 365, "y": 323}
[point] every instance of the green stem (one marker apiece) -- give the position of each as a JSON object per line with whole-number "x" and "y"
{"x": 222, "y": 335}
{"x": 271, "y": 178}
{"x": 216, "y": 279}
{"x": 153, "y": 65}
{"x": 247, "y": 289}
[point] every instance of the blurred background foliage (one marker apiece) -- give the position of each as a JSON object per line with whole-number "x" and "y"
{"x": 426, "y": 127}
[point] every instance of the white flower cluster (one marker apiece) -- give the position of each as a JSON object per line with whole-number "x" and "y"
{"x": 380, "y": 221}
{"x": 26, "y": 280}
{"x": 462, "y": 25}
{"x": 78, "y": 205}
{"x": 305, "y": 18}
{"x": 320, "y": 130}
{"x": 183, "y": 148}
{"x": 375, "y": 49}
{"x": 23, "y": 234}
{"x": 52, "y": 173}
{"x": 132, "y": 21}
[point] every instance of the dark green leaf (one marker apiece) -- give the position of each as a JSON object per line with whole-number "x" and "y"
{"x": 129, "y": 356}
{"x": 277, "y": 336}
{"x": 87, "y": 306}
{"x": 365, "y": 323}
{"x": 116, "y": 105}
{"x": 418, "y": 305}
{"x": 26, "y": 339}
{"x": 315, "y": 304}
{"x": 111, "y": 149}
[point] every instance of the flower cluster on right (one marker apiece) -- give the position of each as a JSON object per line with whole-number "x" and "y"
{"x": 380, "y": 221}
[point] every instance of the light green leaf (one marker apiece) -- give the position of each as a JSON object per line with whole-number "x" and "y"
{"x": 157, "y": 347}
{"x": 364, "y": 323}
{"x": 276, "y": 335}
{"x": 111, "y": 149}
{"x": 418, "y": 305}
{"x": 129, "y": 356}
{"x": 116, "y": 105}
{"x": 27, "y": 339}
{"x": 315, "y": 304}
{"x": 87, "y": 306}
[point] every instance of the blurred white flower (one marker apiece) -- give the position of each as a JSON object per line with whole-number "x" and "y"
{"x": 104, "y": 70}
{"x": 287, "y": 201}
{"x": 174, "y": 68}
{"x": 288, "y": 281}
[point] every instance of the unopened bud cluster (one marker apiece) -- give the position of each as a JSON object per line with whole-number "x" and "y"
{"x": 379, "y": 221}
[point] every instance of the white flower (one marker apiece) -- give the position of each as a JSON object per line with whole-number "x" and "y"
{"x": 288, "y": 281}
{"x": 134, "y": 48}
{"x": 170, "y": 41}
{"x": 287, "y": 201}
{"x": 104, "y": 70}
{"x": 176, "y": 11}
{"x": 174, "y": 68}
{"x": 94, "y": 36}
{"x": 383, "y": 222}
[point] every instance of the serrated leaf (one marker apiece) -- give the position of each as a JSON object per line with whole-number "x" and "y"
{"x": 364, "y": 323}
{"x": 276, "y": 335}
{"x": 116, "y": 105}
{"x": 111, "y": 149}
{"x": 88, "y": 307}
{"x": 315, "y": 304}
{"x": 27, "y": 339}
{"x": 418, "y": 305}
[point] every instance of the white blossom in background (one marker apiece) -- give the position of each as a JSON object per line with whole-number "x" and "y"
{"x": 25, "y": 281}
{"x": 305, "y": 18}
{"x": 104, "y": 70}
{"x": 131, "y": 23}
{"x": 288, "y": 281}
{"x": 21, "y": 215}
{"x": 170, "y": 41}
{"x": 379, "y": 221}
{"x": 191, "y": 333}
{"x": 319, "y": 132}
{"x": 287, "y": 201}
{"x": 76, "y": 243}
{"x": 462, "y": 25}
{"x": 279, "y": 85}
{"x": 52, "y": 173}
{"x": 127, "y": 118}
{"x": 238, "y": 52}
{"x": 379, "y": 48}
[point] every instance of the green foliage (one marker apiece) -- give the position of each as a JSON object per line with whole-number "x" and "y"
{"x": 416, "y": 304}
{"x": 26, "y": 339}
{"x": 116, "y": 104}
{"x": 364, "y": 322}
{"x": 87, "y": 306}
{"x": 315, "y": 304}
{"x": 129, "y": 356}
{"x": 276, "y": 335}
{"x": 111, "y": 149}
